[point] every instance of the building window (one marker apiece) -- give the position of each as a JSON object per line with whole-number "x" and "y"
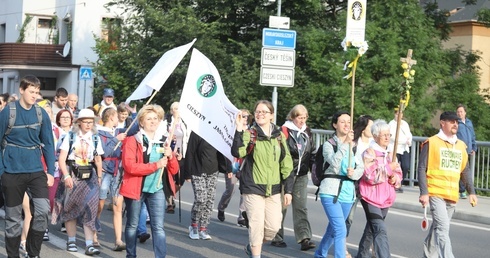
{"x": 47, "y": 83}
{"x": 110, "y": 30}
{"x": 44, "y": 23}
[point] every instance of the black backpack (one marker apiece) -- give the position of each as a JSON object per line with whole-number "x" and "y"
{"x": 318, "y": 168}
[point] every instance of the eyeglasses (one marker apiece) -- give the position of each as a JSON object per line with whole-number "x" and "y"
{"x": 385, "y": 135}
{"x": 262, "y": 112}
{"x": 87, "y": 122}
{"x": 65, "y": 117}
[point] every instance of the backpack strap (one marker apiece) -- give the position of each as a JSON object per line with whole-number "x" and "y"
{"x": 253, "y": 139}
{"x": 39, "y": 114}
{"x": 12, "y": 116}
{"x": 95, "y": 140}
{"x": 71, "y": 140}
{"x": 285, "y": 131}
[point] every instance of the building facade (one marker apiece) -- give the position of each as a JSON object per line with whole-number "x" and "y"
{"x": 53, "y": 40}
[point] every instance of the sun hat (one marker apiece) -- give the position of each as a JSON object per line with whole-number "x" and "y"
{"x": 86, "y": 114}
{"x": 108, "y": 92}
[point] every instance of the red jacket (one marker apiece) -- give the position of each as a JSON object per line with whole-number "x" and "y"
{"x": 135, "y": 170}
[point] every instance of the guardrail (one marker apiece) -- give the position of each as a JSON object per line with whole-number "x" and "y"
{"x": 479, "y": 163}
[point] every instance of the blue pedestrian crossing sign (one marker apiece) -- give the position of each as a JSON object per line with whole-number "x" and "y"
{"x": 85, "y": 73}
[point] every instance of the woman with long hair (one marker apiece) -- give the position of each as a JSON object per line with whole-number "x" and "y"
{"x": 110, "y": 166}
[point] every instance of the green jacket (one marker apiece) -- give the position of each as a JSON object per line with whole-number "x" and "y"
{"x": 267, "y": 166}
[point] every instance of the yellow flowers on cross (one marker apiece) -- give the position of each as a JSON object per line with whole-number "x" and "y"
{"x": 408, "y": 74}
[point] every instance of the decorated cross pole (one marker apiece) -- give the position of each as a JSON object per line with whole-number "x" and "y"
{"x": 408, "y": 75}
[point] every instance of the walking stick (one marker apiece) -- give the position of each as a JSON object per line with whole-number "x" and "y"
{"x": 180, "y": 202}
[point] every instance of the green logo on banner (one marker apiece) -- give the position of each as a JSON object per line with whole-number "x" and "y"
{"x": 206, "y": 85}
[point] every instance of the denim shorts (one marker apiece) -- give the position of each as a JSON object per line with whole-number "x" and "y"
{"x": 105, "y": 185}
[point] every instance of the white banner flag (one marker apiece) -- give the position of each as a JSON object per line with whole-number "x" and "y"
{"x": 159, "y": 74}
{"x": 205, "y": 108}
{"x": 356, "y": 20}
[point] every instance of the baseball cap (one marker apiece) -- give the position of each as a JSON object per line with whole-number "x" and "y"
{"x": 108, "y": 92}
{"x": 448, "y": 116}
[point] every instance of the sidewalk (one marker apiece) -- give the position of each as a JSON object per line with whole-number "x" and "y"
{"x": 409, "y": 200}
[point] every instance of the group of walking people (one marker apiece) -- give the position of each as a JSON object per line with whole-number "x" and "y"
{"x": 84, "y": 161}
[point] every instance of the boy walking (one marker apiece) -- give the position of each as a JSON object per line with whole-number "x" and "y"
{"x": 30, "y": 138}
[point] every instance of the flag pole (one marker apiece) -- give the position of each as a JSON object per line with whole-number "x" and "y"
{"x": 353, "y": 85}
{"x": 167, "y": 142}
{"x": 134, "y": 120}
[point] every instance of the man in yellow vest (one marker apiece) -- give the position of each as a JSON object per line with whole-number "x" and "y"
{"x": 442, "y": 160}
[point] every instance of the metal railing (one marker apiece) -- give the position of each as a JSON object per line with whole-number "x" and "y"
{"x": 479, "y": 163}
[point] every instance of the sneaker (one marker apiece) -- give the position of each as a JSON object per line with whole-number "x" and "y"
{"x": 46, "y": 235}
{"x": 22, "y": 251}
{"x": 203, "y": 234}
{"x": 71, "y": 247}
{"x": 221, "y": 215}
{"x": 281, "y": 244}
{"x": 143, "y": 237}
{"x": 193, "y": 233}
{"x": 245, "y": 218}
{"x": 91, "y": 250}
{"x": 306, "y": 245}
{"x": 63, "y": 228}
{"x": 248, "y": 250}
{"x": 242, "y": 223}
{"x": 462, "y": 195}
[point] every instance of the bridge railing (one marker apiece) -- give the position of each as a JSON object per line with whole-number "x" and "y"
{"x": 479, "y": 163}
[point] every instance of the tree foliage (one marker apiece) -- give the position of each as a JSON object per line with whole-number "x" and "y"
{"x": 230, "y": 33}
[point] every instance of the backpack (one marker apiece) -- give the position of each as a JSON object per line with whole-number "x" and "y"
{"x": 320, "y": 166}
{"x": 13, "y": 116}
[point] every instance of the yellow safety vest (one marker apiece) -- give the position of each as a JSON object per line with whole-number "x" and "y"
{"x": 445, "y": 163}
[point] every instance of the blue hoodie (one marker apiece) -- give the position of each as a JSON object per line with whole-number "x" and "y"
{"x": 466, "y": 133}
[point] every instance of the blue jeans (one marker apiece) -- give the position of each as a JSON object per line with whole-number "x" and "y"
{"x": 336, "y": 230}
{"x": 155, "y": 202}
{"x": 142, "y": 220}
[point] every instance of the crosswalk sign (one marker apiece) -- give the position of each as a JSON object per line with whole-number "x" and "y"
{"x": 85, "y": 73}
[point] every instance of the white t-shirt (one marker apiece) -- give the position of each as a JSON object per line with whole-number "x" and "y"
{"x": 82, "y": 148}
{"x": 404, "y": 137}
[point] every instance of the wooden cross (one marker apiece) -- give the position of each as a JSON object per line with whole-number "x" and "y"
{"x": 409, "y": 62}
{"x": 409, "y": 59}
